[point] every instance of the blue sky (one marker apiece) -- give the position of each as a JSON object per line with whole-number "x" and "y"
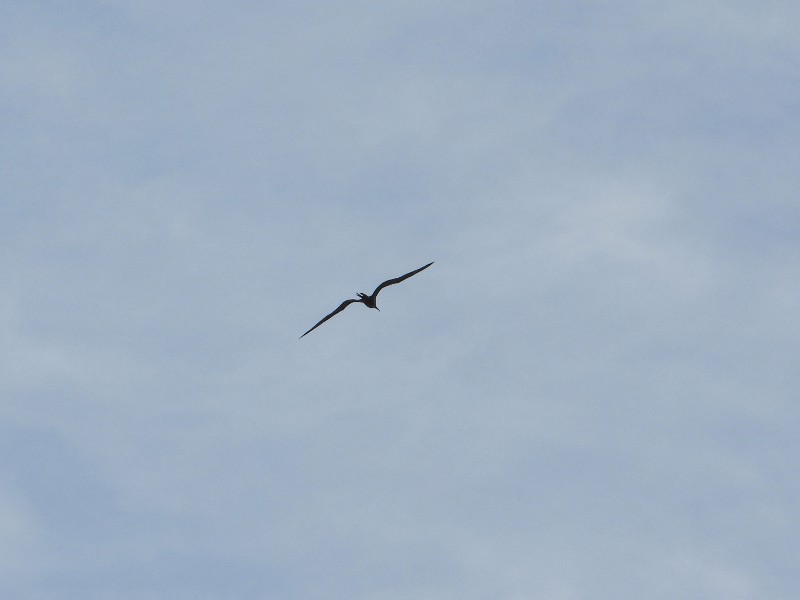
{"x": 592, "y": 393}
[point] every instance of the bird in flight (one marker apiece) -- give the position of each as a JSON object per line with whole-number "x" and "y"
{"x": 371, "y": 300}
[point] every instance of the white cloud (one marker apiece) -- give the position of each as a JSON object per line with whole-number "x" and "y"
{"x": 21, "y": 537}
{"x": 594, "y": 381}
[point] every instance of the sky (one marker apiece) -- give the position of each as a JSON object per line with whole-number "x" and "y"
{"x": 591, "y": 394}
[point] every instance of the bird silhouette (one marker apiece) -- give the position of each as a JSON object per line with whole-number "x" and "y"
{"x": 371, "y": 300}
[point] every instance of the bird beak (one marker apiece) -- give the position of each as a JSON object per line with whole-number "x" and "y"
{"x": 378, "y": 309}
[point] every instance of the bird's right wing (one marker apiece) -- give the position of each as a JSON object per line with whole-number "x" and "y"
{"x": 342, "y": 306}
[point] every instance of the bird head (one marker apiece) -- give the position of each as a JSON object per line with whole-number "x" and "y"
{"x": 367, "y": 300}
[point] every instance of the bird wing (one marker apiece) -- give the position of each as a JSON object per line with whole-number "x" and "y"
{"x": 398, "y": 279}
{"x": 342, "y": 306}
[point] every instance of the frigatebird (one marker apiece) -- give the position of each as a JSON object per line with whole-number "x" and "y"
{"x": 371, "y": 300}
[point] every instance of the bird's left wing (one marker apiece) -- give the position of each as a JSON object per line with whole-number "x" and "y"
{"x": 342, "y": 306}
{"x": 399, "y": 279}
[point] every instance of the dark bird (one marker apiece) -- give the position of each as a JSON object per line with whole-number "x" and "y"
{"x": 371, "y": 300}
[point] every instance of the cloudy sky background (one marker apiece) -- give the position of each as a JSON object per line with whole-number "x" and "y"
{"x": 592, "y": 394}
